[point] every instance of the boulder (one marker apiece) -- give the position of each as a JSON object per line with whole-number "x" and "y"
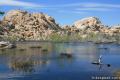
{"x": 92, "y": 23}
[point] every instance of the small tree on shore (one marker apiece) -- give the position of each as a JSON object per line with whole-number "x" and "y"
{"x": 1, "y": 28}
{"x": 2, "y": 13}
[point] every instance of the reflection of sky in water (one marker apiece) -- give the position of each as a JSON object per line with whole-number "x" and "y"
{"x": 16, "y": 64}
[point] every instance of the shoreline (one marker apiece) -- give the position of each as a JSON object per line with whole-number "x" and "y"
{"x": 94, "y": 42}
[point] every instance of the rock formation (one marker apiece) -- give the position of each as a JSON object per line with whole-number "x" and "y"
{"x": 30, "y": 25}
{"x": 88, "y": 23}
{"x": 39, "y": 26}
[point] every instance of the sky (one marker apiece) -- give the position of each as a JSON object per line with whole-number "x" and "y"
{"x": 69, "y": 11}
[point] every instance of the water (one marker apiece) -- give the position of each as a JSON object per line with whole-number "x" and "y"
{"x": 25, "y": 63}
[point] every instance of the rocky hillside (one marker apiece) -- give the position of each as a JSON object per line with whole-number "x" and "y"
{"x": 36, "y": 20}
{"x": 93, "y": 24}
{"x": 20, "y": 24}
{"x": 29, "y": 25}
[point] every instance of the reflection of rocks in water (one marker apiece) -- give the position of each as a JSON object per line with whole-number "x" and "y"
{"x": 26, "y": 62}
{"x": 26, "y": 66}
{"x": 22, "y": 66}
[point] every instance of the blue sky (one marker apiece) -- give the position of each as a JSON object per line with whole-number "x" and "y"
{"x": 68, "y": 11}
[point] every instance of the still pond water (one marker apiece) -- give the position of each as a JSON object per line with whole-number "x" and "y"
{"x": 46, "y": 63}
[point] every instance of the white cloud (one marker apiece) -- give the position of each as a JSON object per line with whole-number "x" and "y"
{"x": 101, "y": 5}
{"x": 93, "y": 9}
{"x": 67, "y": 11}
{"x": 18, "y": 3}
{"x": 89, "y": 6}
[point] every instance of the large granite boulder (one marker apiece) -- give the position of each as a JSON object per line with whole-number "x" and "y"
{"x": 92, "y": 23}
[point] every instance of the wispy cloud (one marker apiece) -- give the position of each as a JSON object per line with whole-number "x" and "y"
{"x": 100, "y": 5}
{"x": 68, "y": 11}
{"x": 89, "y": 6}
{"x": 18, "y": 3}
{"x": 93, "y": 9}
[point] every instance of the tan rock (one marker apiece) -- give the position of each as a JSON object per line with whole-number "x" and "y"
{"x": 90, "y": 22}
{"x": 31, "y": 24}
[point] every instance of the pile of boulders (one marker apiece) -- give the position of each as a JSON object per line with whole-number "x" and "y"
{"x": 30, "y": 25}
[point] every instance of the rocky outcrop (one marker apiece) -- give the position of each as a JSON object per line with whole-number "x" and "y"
{"x": 90, "y": 23}
{"x": 93, "y": 24}
{"x": 36, "y": 20}
{"x": 30, "y": 25}
{"x": 115, "y": 29}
